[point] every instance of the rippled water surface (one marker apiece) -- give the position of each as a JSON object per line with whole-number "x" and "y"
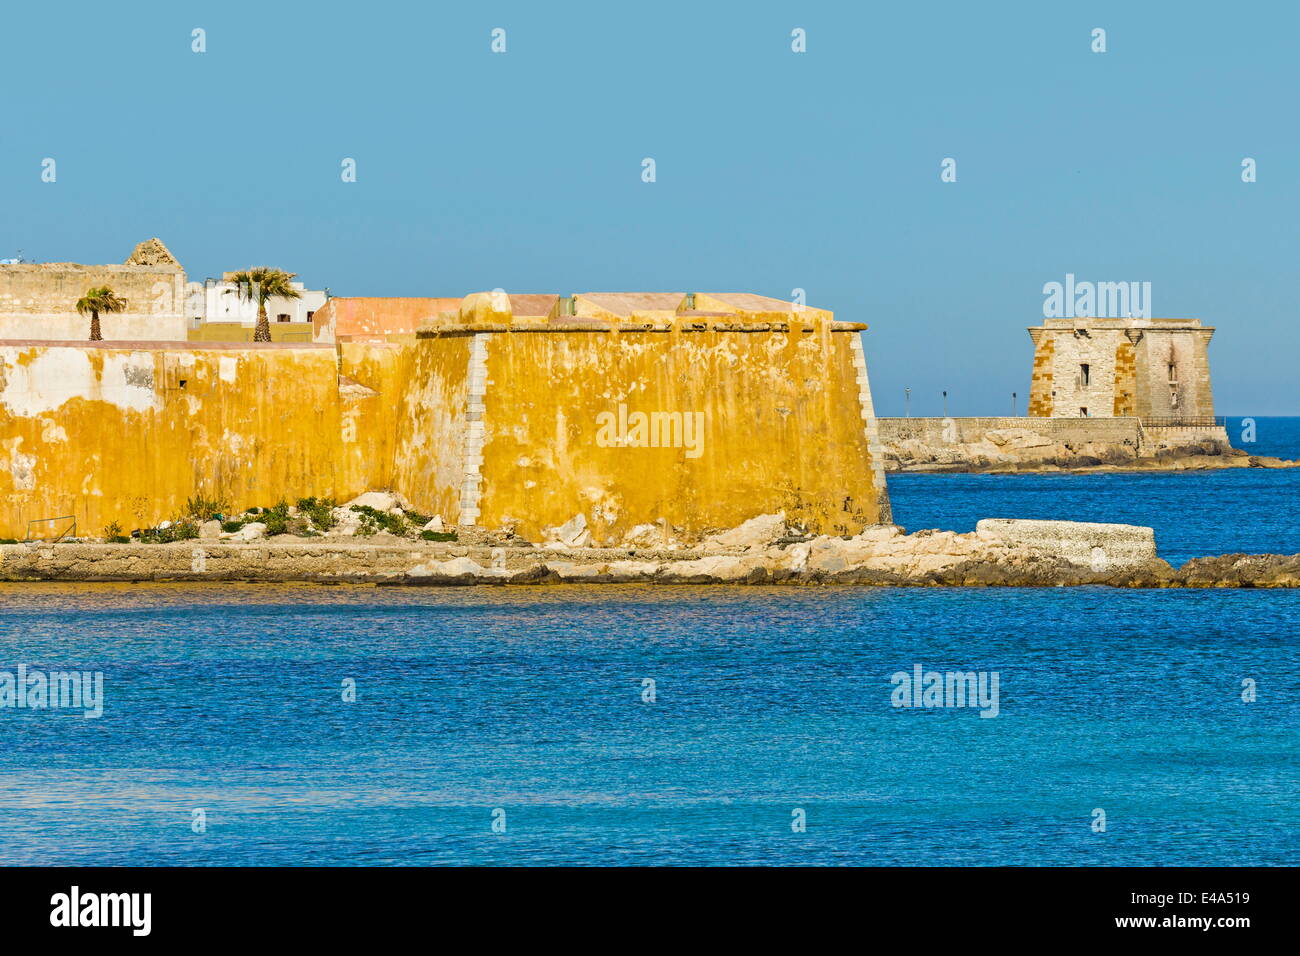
{"x": 1194, "y": 513}
{"x": 530, "y": 700}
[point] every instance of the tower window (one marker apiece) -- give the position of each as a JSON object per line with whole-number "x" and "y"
{"x": 1084, "y": 375}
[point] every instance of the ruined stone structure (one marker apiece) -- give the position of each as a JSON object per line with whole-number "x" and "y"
{"x": 689, "y": 412}
{"x": 1154, "y": 369}
{"x": 38, "y": 300}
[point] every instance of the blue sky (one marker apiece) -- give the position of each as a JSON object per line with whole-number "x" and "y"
{"x": 775, "y": 170}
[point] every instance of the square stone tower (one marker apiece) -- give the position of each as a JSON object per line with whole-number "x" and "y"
{"x": 1101, "y": 368}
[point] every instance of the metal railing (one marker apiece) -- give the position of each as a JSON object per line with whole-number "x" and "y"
{"x": 1183, "y": 421}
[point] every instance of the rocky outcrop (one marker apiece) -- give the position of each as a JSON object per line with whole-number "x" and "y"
{"x": 1000, "y": 553}
{"x": 1003, "y": 450}
{"x": 1242, "y": 571}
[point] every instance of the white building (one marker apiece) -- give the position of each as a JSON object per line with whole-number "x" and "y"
{"x": 215, "y": 300}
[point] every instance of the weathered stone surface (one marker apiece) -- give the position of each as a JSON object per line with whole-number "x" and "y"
{"x": 346, "y": 523}
{"x": 644, "y": 536}
{"x": 1100, "y": 547}
{"x": 572, "y": 534}
{"x": 152, "y": 252}
{"x": 250, "y": 532}
{"x": 999, "y": 554}
{"x": 1005, "y": 445}
{"x": 379, "y": 500}
{"x": 757, "y": 532}
{"x": 1243, "y": 571}
{"x": 210, "y": 531}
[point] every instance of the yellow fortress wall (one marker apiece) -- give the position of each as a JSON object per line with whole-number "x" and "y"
{"x": 112, "y": 432}
{"x": 692, "y": 412}
{"x": 538, "y": 423}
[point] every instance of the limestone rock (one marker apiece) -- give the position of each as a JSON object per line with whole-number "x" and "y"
{"x": 210, "y": 530}
{"x": 346, "y": 523}
{"x": 572, "y": 534}
{"x": 644, "y": 536}
{"x": 433, "y": 524}
{"x": 379, "y": 500}
{"x": 1243, "y": 570}
{"x": 757, "y": 532}
{"x": 251, "y": 531}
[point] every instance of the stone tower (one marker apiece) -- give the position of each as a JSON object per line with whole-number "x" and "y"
{"x": 1102, "y": 368}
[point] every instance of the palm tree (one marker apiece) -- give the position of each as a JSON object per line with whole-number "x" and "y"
{"x": 97, "y": 300}
{"x": 259, "y": 283}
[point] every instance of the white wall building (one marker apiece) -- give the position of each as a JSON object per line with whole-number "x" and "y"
{"x": 215, "y": 300}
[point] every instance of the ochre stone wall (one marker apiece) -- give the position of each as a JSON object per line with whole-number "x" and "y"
{"x": 486, "y": 425}
{"x": 1125, "y": 401}
{"x": 1040, "y": 384}
{"x": 432, "y": 424}
{"x": 781, "y": 429}
{"x": 126, "y": 434}
{"x": 373, "y": 397}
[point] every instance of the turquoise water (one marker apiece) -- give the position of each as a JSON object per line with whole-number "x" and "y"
{"x": 767, "y": 700}
{"x": 530, "y": 701}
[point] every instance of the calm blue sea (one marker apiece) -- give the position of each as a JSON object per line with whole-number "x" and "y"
{"x": 1194, "y": 513}
{"x": 531, "y": 702}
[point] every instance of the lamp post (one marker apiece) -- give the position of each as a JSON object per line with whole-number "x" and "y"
{"x": 945, "y": 403}
{"x": 1013, "y": 404}
{"x": 907, "y": 403}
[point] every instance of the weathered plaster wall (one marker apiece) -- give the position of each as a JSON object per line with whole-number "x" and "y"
{"x": 781, "y": 416}
{"x": 432, "y": 424}
{"x": 484, "y": 424}
{"x": 1187, "y": 351}
{"x": 376, "y": 318}
{"x": 39, "y": 301}
{"x": 127, "y": 433}
{"x": 373, "y": 398}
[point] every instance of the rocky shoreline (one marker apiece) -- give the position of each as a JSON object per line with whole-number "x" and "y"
{"x": 1025, "y": 451}
{"x": 999, "y": 553}
{"x": 1088, "y": 465}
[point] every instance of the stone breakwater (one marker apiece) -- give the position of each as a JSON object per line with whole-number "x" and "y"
{"x": 1000, "y": 552}
{"x": 1011, "y": 445}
